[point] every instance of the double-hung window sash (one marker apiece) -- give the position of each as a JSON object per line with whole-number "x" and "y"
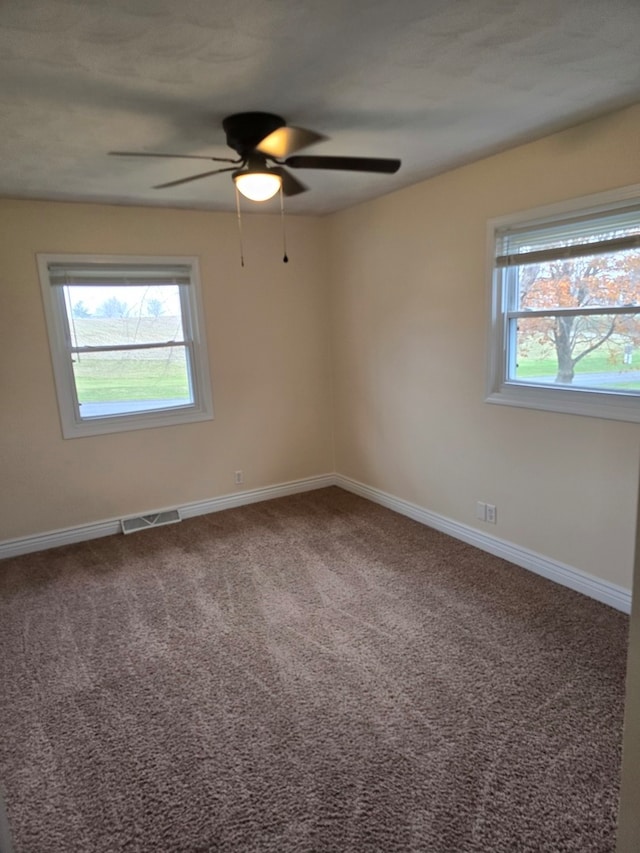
{"x": 533, "y": 246}
{"x": 127, "y": 343}
{"x": 67, "y": 276}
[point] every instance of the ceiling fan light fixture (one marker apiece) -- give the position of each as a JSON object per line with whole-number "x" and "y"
{"x": 257, "y": 185}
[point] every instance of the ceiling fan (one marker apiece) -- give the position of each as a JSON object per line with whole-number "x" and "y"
{"x": 264, "y": 144}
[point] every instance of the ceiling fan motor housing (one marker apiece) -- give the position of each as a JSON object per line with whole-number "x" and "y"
{"x": 246, "y": 130}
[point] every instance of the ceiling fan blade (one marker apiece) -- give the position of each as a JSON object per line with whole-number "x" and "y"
{"x": 290, "y": 185}
{"x": 193, "y": 178}
{"x": 285, "y": 140}
{"x": 349, "y": 164}
{"x": 180, "y": 156}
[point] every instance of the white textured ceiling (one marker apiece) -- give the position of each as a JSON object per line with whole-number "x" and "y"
{"x": 434, "y": 82}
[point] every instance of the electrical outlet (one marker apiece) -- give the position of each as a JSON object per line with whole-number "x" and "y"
{"x": 491, "y": 514}
{"x": 481, "y": 511}
{"x": 239, "y": 477}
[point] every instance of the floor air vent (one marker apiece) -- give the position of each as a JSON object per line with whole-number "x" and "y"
{"x": 156, "y": 519}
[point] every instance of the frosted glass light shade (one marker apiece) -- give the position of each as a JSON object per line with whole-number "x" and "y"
{"x": 257, "y": 186}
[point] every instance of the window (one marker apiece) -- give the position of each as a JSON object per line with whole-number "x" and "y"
{"x": 565, "y": 319}
{"x": 127, "y": 342}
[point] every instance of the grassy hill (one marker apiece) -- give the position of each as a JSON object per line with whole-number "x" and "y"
{"x": 159, "y": 374}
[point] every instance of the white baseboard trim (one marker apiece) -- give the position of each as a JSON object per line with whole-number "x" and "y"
{"x": 608, "y": 593}
{"x": 604, "y": 591}
{"x": 83, "y": 532}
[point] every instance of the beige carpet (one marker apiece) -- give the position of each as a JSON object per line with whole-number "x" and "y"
{"x": 314, "y": 673}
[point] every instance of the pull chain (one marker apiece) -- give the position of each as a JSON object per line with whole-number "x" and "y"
{"x": 239, "y": 226}
{"x": 285, "y": 258}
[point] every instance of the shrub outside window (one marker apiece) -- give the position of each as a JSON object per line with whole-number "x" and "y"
{"x": 127, "y": 342}
{"x": 565, "y": 316}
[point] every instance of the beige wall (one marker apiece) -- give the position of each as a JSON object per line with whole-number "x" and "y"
{"x": 629, "y": 817}
{"x": 409, "y": 324}
{"x": 267, "y": 331}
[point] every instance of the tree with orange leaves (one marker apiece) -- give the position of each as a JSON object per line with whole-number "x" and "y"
{"x": 595, "y": 282}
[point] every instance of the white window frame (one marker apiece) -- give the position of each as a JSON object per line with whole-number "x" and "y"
{"x": 60, "y": 343}
{"x": 611, "y": 405}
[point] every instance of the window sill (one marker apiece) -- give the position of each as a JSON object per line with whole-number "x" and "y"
{"x": 127, "y": 423}
{"x": 594, "y": 404}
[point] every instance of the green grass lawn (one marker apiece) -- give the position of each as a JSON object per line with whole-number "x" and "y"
{"x": 596, "y": 362}
{"x": 134, "y": 375}
{"x": 100, "y": 380}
